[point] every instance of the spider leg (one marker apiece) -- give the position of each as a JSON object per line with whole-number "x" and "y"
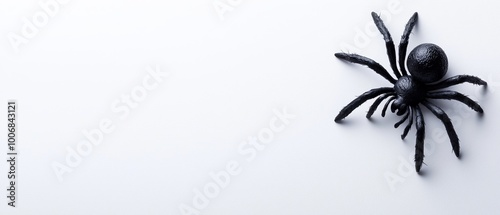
{"x": 403, "y": 44}
{"x": 405, "y": 117}
{"x": 387, "y": 105}
{"x": 389, "y": 44}
{"x": 377, "y": 102}
{"x": 448, "y": 94}
{"x": 419, "y": 146}
{"x": 354, "y": 58}
{"x": 459, "y": 79}
{"x": 360, "y": 100}
{"x": 410, "y": 122}
{"x": 447, "y": 124}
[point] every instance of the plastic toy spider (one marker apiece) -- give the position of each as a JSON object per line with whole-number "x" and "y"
{"x": 427, "y": 63}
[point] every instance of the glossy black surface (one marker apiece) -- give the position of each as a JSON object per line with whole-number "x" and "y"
{"x": 427, "y": 63}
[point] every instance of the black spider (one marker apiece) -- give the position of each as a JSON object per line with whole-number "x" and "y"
{"x": 427, "y": 64}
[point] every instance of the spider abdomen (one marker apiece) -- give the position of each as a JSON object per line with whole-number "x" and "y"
{"x": 427, "y": 63}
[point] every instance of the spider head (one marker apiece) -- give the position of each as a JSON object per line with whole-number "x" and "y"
{"x": 409, "y": 93}
{"x": 399, "y": 104}
{"x": 427, "y": 63}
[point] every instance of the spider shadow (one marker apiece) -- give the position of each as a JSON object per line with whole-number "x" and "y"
{"x": 484, "y": 101}
{"x": 461, "y": 156}
{"x": 361, "y": 77}
{"x": 381, "y": 121}
{"x": 387, "y": 121}
{"x": 423, "y": 172}
{"x": 485, "y": 96}
{"x": 484, "y": 90}
{"x": 347, "y": 122}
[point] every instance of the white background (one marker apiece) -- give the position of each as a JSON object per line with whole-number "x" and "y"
{"x": 227, "y": 77}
